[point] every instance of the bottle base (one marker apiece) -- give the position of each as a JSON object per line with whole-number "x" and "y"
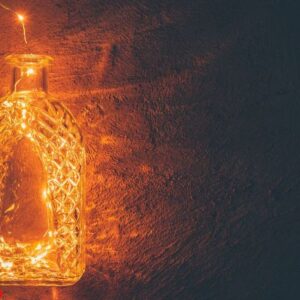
{"x": 41, "y": 282}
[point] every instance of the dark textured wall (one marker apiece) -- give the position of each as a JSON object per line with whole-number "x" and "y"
{"x": 190, "y": 111}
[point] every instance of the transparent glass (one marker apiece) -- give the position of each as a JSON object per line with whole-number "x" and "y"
{"x": 42, "y": 169}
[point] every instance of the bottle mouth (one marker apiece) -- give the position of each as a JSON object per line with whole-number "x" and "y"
{"x": 27, "y": 60}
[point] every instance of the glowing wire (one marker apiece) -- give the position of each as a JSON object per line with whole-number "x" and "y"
{"x": 20, "y": 17}
{"x": 16, "y": 84}
{"x": 5, "y": 7}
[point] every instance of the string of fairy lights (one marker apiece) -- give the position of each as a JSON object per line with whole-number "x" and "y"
{"x": 20, "y": 18}
{"x": 58, "y": 256}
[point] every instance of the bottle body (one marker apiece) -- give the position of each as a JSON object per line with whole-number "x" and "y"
{"x": 42, "y": 167}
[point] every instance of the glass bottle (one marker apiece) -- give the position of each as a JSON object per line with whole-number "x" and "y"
{"x": 42, "y": 169}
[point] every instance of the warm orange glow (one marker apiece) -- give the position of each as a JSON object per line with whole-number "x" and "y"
{"x": 108, "y": 140}
{"x": 56, "y": 257}
{"x": 30, "y": 71}
{"x": 21, "y": 17}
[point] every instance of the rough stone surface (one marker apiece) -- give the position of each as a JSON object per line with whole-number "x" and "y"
{"x": 190, "y": 112}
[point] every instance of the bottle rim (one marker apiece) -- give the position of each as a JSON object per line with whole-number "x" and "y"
{"x": 21, "y": 60}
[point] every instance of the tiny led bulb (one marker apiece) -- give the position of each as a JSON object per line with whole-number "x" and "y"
{"x": 21, "y": 18}
{"x": 30, "y": 71}
{"x": 24, "y": 112}
{"x": 44, "y": 193}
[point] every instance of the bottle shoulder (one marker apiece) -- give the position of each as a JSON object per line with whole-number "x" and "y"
{"x": 40, "y": 110}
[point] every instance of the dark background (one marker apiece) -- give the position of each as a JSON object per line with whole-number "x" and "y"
{"x": 190, "y": 111}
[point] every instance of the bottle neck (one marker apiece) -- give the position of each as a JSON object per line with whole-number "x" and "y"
{"x": 29, "y": 78}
